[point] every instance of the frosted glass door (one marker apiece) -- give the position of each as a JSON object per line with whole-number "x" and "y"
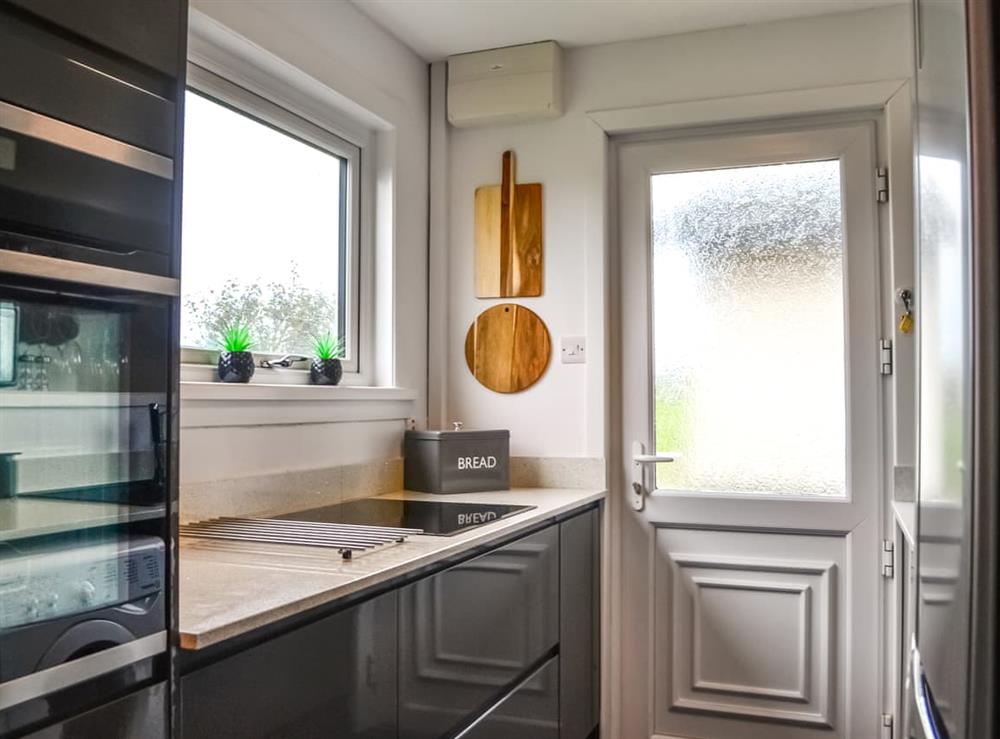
{"x": 749, "y": 343}
{"x": 748, "y": 329}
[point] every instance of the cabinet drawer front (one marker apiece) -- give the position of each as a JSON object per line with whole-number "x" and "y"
{"x": 531, "y": 711}
{"x": 473, "y": 631}
{"x": 333, "y": 679}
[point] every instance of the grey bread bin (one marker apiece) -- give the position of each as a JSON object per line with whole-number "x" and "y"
{"x": 456, "y": 461}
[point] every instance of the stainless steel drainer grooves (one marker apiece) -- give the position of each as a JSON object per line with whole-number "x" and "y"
{"x": 345, "y": 538}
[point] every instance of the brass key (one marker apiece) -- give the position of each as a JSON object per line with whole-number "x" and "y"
{"x": 906, "y": 319}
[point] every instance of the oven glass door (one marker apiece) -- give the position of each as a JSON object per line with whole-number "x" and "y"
{"x": 84, "y": 439}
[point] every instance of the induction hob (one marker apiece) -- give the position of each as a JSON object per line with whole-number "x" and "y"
{"x": 434, "y": 517}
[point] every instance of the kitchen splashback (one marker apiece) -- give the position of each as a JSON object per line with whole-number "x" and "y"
{"x": 267, "y": 495}
{"x": 557, "y": 472}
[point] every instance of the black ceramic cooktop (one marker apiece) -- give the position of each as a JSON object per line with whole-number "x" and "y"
{"x": 435, "y": 518}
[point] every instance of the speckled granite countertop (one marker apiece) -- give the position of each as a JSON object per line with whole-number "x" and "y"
{"x": 229, "y": 588}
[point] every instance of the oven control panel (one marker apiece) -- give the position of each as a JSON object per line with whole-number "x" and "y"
{"x": 42, "y": 583}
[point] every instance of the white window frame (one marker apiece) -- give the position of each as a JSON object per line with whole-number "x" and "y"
{"x": 198, "y": 365}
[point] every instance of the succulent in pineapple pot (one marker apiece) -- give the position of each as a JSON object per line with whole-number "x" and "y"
{"x": 235, "y": 359}
{"x": 326, "y": 368}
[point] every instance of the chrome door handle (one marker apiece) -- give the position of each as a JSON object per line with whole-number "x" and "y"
{"x": 640, "y": 461}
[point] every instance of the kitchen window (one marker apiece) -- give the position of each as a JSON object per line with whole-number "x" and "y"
{"x": 270, "y": 229}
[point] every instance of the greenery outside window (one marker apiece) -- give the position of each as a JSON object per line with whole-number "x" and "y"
{"x": 270, "y": 227}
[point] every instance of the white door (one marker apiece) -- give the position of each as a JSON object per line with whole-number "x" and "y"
{"x": 749, "y": 345}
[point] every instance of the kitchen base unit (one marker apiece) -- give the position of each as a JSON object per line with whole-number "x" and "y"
{"x": 526, "y": 712}
{"x": 139, "y": 714}
{"x": 473, "y": 632}
{"x": 334, "y": 678}
{"x": 503, "y": 642}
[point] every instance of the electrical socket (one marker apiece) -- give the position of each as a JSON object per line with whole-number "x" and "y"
{"x": 574, "y": 350}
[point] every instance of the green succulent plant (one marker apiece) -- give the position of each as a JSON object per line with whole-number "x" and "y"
{"x": 235, "y": 338}
{"x": 328, "y": 346}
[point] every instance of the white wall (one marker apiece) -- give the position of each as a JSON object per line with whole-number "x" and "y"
{"x": 376, "y": 87}
{"x": 565, "y": 414}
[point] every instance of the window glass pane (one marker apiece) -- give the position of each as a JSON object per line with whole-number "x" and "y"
{"x": 261, "y": 233}
{"x": 944, "y": 280}
{"x": 749, "y": 329}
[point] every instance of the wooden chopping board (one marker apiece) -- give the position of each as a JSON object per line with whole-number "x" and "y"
{"x": 507, "y": 348}
{"x": 509, "y": 237}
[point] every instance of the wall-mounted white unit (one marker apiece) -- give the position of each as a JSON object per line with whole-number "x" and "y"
{"x": 508, "y": 85}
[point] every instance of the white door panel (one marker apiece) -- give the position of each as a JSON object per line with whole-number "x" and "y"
{"x": 749, "y": 346}
{"x": 745, "y": 629}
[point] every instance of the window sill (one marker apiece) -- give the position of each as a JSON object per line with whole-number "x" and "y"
{"x": 219, "y": 404}
{"x": 262, "y": 391}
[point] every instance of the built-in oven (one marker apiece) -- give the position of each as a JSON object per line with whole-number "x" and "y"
{"x": 86, "y": 150}
{"x": 86, "y": 450}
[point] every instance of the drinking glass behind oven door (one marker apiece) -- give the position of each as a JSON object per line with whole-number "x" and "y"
{"x": 8, "y": 343}
{"x": 83, "y": 486}
{"x": 84, "y": 402}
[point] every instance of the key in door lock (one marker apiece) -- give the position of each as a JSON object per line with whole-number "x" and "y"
{"x": 905, "y": 296}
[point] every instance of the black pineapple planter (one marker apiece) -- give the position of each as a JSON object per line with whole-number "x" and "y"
{"x": 235, "y": 366}
{"x": 325, "y": 371}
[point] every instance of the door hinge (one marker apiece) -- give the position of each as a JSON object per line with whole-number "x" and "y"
{"x": 887, "y": 722}
{"x": 885, "y": 356}
{"x": 882, "y": 185}
{"x": 888, "y": 559}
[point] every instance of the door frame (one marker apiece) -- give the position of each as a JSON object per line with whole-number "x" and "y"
{"x": 888, "y": 100}
{"x": 853, "y": 521}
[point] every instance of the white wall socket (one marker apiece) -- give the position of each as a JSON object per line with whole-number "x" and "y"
{"x": 574, "y": 350}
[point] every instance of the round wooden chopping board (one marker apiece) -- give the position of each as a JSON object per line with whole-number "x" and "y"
{"x": 507, "y": 348}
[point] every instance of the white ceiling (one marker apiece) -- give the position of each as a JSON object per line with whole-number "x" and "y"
{"x": 438, "y": 28}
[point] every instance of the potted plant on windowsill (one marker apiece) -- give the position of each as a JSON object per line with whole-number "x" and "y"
{"x": 235, "y": 359}
{"x": 326, "y": 368}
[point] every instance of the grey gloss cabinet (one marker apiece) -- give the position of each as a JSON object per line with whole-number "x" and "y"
{"x": 579, "y": 625}
{"x": 528, "y": 712}
{"x": 334, "y": 678}
{"x": 468, "y": 634}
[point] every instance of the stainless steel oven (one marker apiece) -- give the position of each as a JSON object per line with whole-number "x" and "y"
{"x": 86, "y": 444}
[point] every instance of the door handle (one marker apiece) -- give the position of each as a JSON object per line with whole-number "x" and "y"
{"x": 926, "y": 713}
{"x": 643, "y": 459}
{"x": 640, "y": 462}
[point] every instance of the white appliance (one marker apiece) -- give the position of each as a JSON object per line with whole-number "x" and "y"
{"x": 509, "y": 85}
